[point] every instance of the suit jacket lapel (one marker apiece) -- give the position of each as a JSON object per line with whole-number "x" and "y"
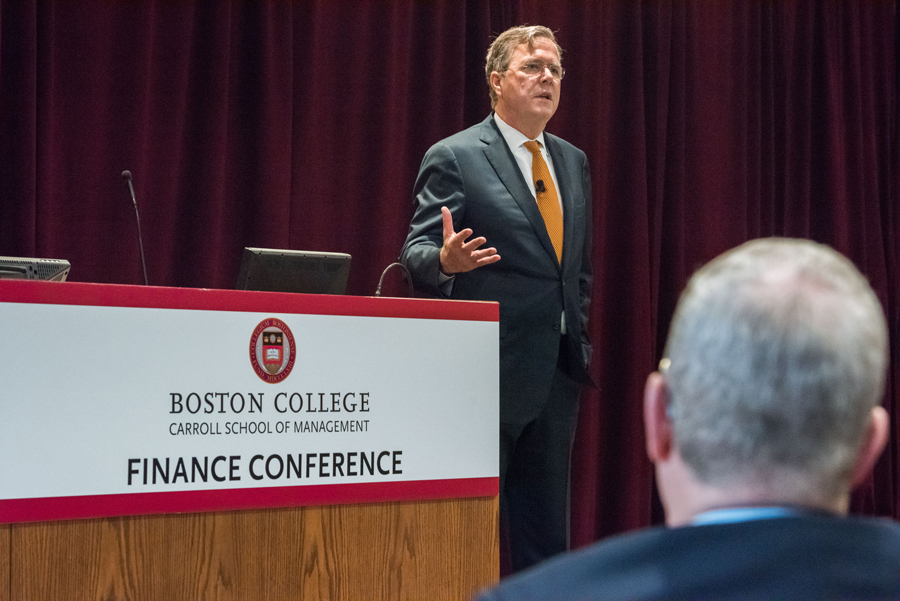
{"x": 501, "y": 159}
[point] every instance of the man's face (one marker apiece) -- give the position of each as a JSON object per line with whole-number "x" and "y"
{"x": 527, "y": 93}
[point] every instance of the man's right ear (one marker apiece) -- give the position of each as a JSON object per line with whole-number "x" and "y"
{"x": 657, "y": 425}
{"x": 495, "y": 81}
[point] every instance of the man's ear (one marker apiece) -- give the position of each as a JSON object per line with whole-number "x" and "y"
{"x": 657, "y": 425}
{"x": 495, "y": 82}
{"x": 873, "y": 444}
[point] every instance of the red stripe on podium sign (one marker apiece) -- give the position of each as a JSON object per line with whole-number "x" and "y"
{"x": 156, "y": 297}
{"x": 102, "y": 506}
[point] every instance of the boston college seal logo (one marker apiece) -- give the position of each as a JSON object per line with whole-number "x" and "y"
{"x": 272, "y": 350}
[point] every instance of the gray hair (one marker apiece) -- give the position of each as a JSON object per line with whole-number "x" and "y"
{"x": 502, "y": 48}
{"x": 776, "y": 356}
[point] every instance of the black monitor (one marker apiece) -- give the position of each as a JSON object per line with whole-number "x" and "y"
{"x": 275, "y": 270}
{"x": 21, "y": 268}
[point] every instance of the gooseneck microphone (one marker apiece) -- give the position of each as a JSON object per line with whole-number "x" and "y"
{"x": 539, "y": 186}
{"x": 406, "y": 276}
{"x": 126, "y": 175}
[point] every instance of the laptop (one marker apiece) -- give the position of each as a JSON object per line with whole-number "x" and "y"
{"x": 309, "y": 272}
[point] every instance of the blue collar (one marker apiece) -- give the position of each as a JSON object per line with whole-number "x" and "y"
{"x": 733, "y": 515}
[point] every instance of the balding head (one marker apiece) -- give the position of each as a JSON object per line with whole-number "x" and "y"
{"x": 775, "y": 360}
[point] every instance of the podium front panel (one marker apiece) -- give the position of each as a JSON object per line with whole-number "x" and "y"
{"x": 127, "y": 400}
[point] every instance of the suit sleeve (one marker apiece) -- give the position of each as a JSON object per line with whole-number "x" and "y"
{"x": 439, "y": 184}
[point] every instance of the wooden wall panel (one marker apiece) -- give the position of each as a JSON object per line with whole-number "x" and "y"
{"x": 4, "y": 562}
{"x": 445, "y": 549}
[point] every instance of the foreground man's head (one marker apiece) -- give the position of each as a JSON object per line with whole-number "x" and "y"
{"x": 770, "y": 389}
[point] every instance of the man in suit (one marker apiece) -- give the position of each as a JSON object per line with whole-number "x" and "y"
{"x": 527, "y": 194}
{"x": 764, "y": 414}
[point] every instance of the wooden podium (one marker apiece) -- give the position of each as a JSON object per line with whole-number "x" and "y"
{"x": 416, "y": 528}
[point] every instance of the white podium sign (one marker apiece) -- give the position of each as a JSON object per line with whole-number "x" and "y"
{"x": 123, "y": 400}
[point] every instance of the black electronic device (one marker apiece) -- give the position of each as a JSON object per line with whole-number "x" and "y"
{"x": 309, "y": 272}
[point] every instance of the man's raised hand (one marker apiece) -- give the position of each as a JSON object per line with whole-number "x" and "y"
{"x": 459, "y": 255}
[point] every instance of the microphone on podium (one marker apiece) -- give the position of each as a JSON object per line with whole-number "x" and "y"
{"x": 406, "y": 276}
{"x": 126, "y": 175}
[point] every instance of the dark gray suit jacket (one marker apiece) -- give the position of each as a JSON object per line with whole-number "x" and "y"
{"x": 809, "y": 557}
{"x": 474, "y": 174}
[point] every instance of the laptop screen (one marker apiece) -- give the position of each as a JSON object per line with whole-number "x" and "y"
{"x": 309, "y": 272}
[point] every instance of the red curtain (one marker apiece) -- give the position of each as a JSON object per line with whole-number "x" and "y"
{"x": 302, "y": 125}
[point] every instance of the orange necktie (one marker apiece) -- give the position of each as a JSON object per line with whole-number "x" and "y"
{"x": 547, "y": 198}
